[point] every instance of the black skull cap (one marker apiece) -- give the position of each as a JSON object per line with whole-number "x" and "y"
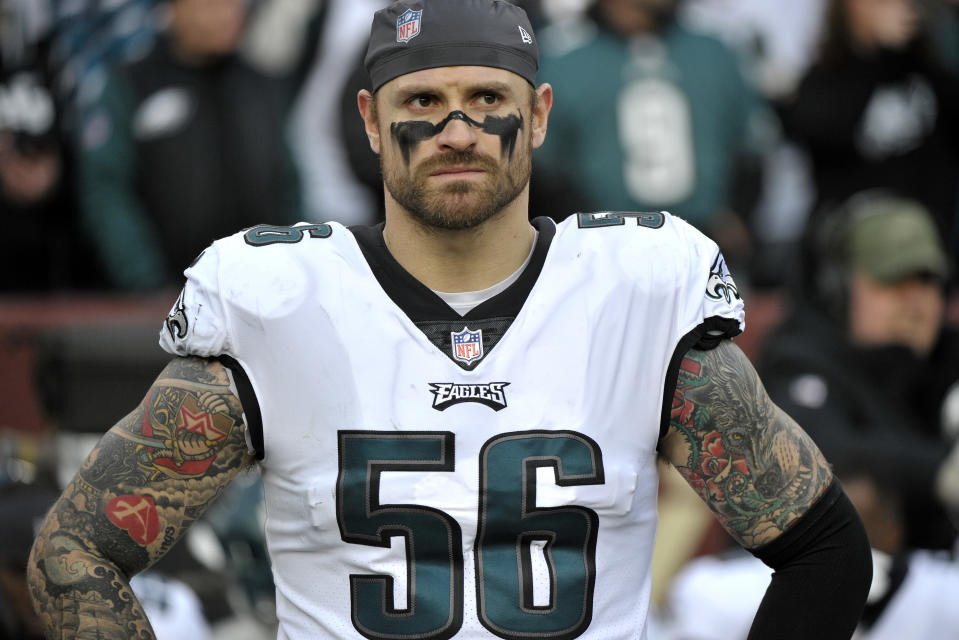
{"x": 409, "y": 36}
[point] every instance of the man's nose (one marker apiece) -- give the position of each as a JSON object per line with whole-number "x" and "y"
{"x": 457, "y": 134}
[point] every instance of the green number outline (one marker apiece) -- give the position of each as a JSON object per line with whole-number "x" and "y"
{"x": 575, "y": 459}
{"x": 648, "y": 219}
{"x": 587, "y": 546}
{"x": 263, "y": 235}
{"x": 362, "y": 585}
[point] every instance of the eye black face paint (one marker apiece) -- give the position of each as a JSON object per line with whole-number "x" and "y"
{"x": 411, "y": 132}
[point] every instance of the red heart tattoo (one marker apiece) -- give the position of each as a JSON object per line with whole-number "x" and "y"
{"x": 137, "y": 515}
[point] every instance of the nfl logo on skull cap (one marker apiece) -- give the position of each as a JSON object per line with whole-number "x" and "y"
{"x": 467, "y": 345}
{"x": 408, "y": 25}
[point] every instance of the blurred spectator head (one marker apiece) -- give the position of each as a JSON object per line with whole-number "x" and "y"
{"x": 885, "y": 23}
{"x": 635, "y": 16}
{"x": 881, "y": 267}
{"x": 29, "y": 153}
{"x": 861, "y": 26}
{"x": 205, "y": 29}
{"x": 29, "y": 173}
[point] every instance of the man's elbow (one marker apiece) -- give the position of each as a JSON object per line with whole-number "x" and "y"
{"x": 860, "y": 563}
{"x": 823, "y": 571}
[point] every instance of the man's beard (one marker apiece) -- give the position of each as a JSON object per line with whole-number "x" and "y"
{"x": 460, "y": 204}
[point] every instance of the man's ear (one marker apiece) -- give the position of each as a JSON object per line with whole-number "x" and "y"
{"x": 366, "y": 103}
{"x": 544, "y": 102}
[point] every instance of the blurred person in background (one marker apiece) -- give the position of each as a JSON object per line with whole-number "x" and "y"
{"x": 323, "y": 134}
{"x": 88, "y": 38}
{"x": 183, "y": 146}
{"x": 776, "y": 40}
{"x": 865, "y": 358}
{"x": 36, "y": 200}
{"x": 880, "y": 106}
{"x": 668, "y": 120}
{"x": 913, "y": 592}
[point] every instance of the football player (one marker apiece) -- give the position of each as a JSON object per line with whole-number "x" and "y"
{"x": 457, "y": 415}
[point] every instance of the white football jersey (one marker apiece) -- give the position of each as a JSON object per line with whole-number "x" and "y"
{"x": 433, "y": 476}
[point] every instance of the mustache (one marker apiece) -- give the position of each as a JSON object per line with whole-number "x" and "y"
{"x": 454, "y": 158}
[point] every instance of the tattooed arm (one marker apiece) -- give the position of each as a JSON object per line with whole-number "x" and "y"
{"x": 147, "y": 480}
{"x": 772, "y": 490}
{"x": 751, "y": 463}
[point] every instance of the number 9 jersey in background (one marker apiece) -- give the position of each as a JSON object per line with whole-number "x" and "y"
{"x": 429, "y": 475}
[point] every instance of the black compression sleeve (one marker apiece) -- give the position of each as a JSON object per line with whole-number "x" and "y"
{"x": 251, "y": 407}
{"x": 823, "y": 569}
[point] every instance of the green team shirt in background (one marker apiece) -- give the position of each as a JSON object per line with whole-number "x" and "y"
{"x": 647, "y": 124}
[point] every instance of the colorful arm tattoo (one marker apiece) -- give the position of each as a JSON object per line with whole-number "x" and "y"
{"x": 755, "y": 468}
{"x": 148, "y": 479}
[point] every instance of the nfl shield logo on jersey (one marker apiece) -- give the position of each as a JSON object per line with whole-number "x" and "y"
{"x": 467, "y": 345}
{"x": 408, "y": 25}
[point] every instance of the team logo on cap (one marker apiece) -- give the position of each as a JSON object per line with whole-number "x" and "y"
{"x": 408, "y": 25}
{"x": 467, "y": 345}
{"x": 524, "y": 34}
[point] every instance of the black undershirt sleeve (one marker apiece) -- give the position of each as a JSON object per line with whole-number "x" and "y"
{"x": 251, "y": 407}
{"x": 705, "y": 337}
{"x": 822, "y": 572}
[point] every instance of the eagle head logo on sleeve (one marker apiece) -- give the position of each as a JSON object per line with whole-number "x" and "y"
{"x": 177, "y": 323}
{"x": 721, "y": 284}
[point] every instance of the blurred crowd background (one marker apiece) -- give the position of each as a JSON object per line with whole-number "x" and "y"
{"x": 817, "y": 141}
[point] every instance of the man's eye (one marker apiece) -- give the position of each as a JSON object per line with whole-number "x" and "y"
{"x": 489, "y": 98}
{"x": 422, "y": 101}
